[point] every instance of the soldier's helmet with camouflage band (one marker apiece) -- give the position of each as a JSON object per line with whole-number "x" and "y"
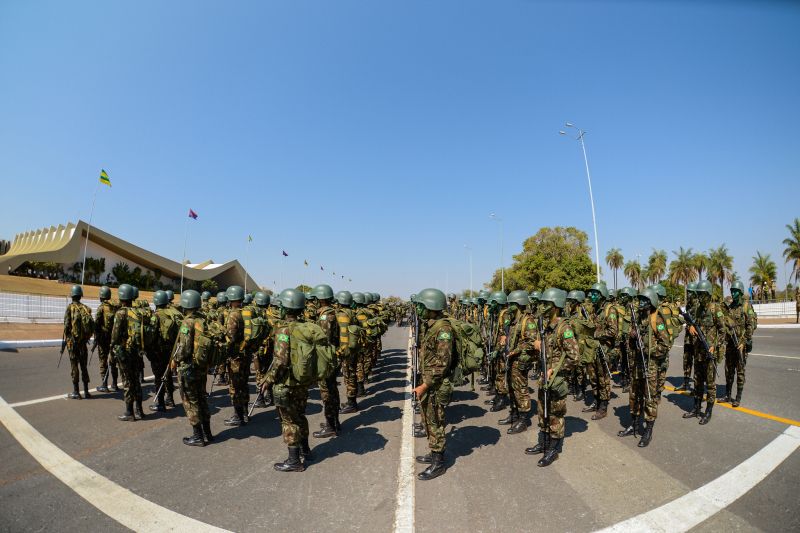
{"x": 648, "y": 297}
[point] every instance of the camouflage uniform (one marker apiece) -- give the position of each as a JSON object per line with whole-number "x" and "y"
{"x": 499, "y": 362}
{"x": 128, "y": 358}
{"x": 606, "y": 332}
{"x": 522, "y": 333}
{"x": 169, "y": 320}
{"x": 103, "y": 322}
{"x": 436, "y": 357}
{"x": 327, "y": 319}
{"x": 652, "y": 328}
{"x": 711, "y": 319}
{"x": 364, "y": 367}
{"x": 583, "y": 327}
{"x": 742, "y": 319}
{"x": 76, "y": 341}
{"x": 346, "y": 355}
{"x": 238, "y": 364}
{"x": 192, "y": 369}
{"x": 688, "y": 344}
{"x": 563, "y": 352}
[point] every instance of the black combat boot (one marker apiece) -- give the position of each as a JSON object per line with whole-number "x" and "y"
{"x": 436, "y": 468}
{"x": 86, "y": 390}
{"x": 292, "y": 463}
{"x": 168, "y": 401}
{"x": 512, "y": 417}
{"x": 707, "y": 416}
{"x": 425, "y": 459}
{"x": 591, "y": 408}
{"x": 207, "y": 431}
{"x": 104, "y": 385}
{"x": 196, "y": 438}
{"x": 114, "y": 378}
{"x": 501, "y": 403}
{"x": 489, "y": 387}
{"x": 519, "y": 425}
{"x": 128, "y": 414}
{"x": 540, "y": 446}
{"x": 237, "y": 419}
{"x": 738, "y": 399}
{"x": 360, "y": 389}
{"x": 695, "y": 412}
{"x": 493, "y": 399}
{"x": 581, "y": 392}
{"x": 483, "y": 381}
{"x": 137, "y": 409}
{"x": 158, "y": 405}
{"x": 350, "y": 407}
{"x": 305, "y": 450}
{"x": 602, "y": 410}
{"x": 551, "y": 454}
{"x": 420, "y": 432}
{"x": 259, "y": 402}
{"x": 268, "y": 400}
{"x": 76, "y": 393}
{"x": 727, "y": 397}
{"x": 327, "y": 430}
{"x": 630, "y": 430}
{"x": 647, "y": 435}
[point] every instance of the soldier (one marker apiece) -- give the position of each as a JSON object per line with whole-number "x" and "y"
{"x": 688, "y": 346}
{"x": 561, "y": 354}
{"x": 650, "y": 344}
{"x": 625, "y": 297}
{"x": 583, "y": 327}
{"x": 171, "y": 300}
{"x": 221, "y": 316}
{"x": 290, "y": 397}
{"x": 517, "y": 343}
{"x": 328, "y": 319}
{"x": 125, "y": 349}
{"x": 142, "y": 309}
{"x": 379, "y": 327}
{"x": 497, "y": 309}
{"x": 237, "y": 361}
{"x": 192, "y": 349}
{"x": 103, "y": 322}
{"x": 363, "y": 316}
{"x": 78, "y": 329}
{"x": 348, "y": 349}
{"x": 260, "y": 361}
{"x": 436, "y": 361}
{"x": 310, "y": 312}
{"x": 710, "y": 317}
{"x": 452, "y": 305}
{"x": 742, "y": 322}
{"x": 606, "y": 332}
{"x": 168, "y": 320}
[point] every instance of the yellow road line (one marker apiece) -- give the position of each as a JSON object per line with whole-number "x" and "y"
{"x": 753, "y": 412}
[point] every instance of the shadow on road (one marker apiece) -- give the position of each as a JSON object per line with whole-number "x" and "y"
{"x": 459, "y": 412}
{"x": 463, "y": 440}
{"x": 359, "y": 442}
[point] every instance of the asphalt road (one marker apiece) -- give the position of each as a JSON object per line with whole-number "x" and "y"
{"x": 352, "y": 484}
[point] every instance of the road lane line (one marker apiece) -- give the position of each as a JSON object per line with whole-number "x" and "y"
{"x": 63, "y": 396}
{"x": 771, "y": 355}
{"x": 404, "y": 510}
{"x": 701, "y": 504}
{"x": 767, "y": 416}
{"x": 119, "y": 503}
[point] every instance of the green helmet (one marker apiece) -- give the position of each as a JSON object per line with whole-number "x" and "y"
{"x": 612, "y": 294}
{"x": 557, "y": 297}
{"x": 704, "y": 286}
{"x": 160, "y": 298}
{"x": 368, "y": 297}
{"x": 498, "y": 297}
{"x": 135, "y": 292}
{"x": 483, "y": 295}
{"x": 234, "y": 293}
{"x": 432, "y": 299}
{"x": 105, "y": 293}
{"x": 308, "y": 296}
{"x": 261, "y": 298}
{"x": 190, "y": 299}
{"x": 473, "y": 301}
{"x": 275, "y": 301}
{"x": 628, "y": 291}
{"x": 519, "y": 298}
{"x": 205, "y": 296}
{"x": 601, "y": 288}
{"x": 376, "y": 296}
{"x": 535, "y": 296}
{"x": 221, "y": 298}
{"x": 76, "y": 290}
{"x": 170, "y": 294}
{"x": 359, "y": 299}
{"x": 578, "y": 296}
{"x": 322, "y": 292}
{"x": 413, "y": 298}
{"x": 650, "y": 295}
{"x": 661, "y": 291}
{"x": 292, "y": 299}
{"x": 344, "y": 298}
{"x": 692, "y": 286}
{"x": 248, "y": 299}
{"x": 737, "y": 286}
{"x": 125, "y": 292}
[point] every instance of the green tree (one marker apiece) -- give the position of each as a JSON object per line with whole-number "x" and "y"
{"x": 763, "y": 271}
{"x": 700, "y": 263}
{"x": 304, "y": 288}
{"x": 615, "y": 261}
{"x": 681, "y": 271}
{"x": 792, "y": 251}
{"x": 656, "y": 266}
{"x": 633, "y": 271}
{"x": 720, "y": 265}
{"x": 211, "y": 286}
{"x": 554, "y": 257}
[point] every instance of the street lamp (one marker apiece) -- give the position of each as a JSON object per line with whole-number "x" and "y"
{"x": 502, "y": 259}
{"x": 581, "y": 133}
{"x": 469, "y": 251}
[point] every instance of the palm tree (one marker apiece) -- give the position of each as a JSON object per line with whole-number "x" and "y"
{"x": 656, "y": 266}
{"x": 763, "y": 272}
{"x": 614, "y": 260}
{"x": 792, "y": 251}
{"x": 681, "y": 271}
{"x": 633, "y": 271}
{"x": 700, "y": 262}
{"x": 720, "y": 265}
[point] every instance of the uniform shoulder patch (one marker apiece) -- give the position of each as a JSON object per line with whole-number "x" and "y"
{"x": 531, "y": 325}
{"x": 323, "y": 317}
{"x": 568, "y": 334}
{"x": 283, "y": 337}
{"x": 612, "y": 315}
{"x": 444, "y": 336}
{"x": 719, "y": 314}
{"x": 660, "y": 327}
{"x": 184, "y": 329}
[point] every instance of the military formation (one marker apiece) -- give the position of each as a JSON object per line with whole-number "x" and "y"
{"x": 554, "y": 343}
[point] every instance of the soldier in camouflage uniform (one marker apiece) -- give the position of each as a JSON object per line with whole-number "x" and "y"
{"x": 624, "y": 298}
{"x": 742, "y": 322}
{"x": 436, "y": 359}
{"x": 205, "y": 298}
{"x": 561, "y": 353}
{"x": 583, "y": 327}
{"x": 650, "y": 363}
{"x": 363, "y": 315}
{"x": 221, "y": 316}
{"x": 688, "y": 345}
{"x": 497, "y": 308}
{"x": 78, "y": 329}
{"x": 262, "y": 358}
{"x": 710, "y": 317}
{"x": 127, "y": 355}
{"x": 327, "y": 319}
{"x": 192, "y": 349}
{"x": 168, "y": 320}
{"x": 103, "y": 322}
{"x": 310, "y": 312}
{"x": 237, "y": 360}
{"x": 606, "y": 332}
{"x": 517, "y": 342}
{"x": 290, "y": 398}
{"x": 348, "y": 349}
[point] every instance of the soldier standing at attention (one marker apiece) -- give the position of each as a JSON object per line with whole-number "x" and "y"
{"x": 103, "y": 322}
{"x": 125, "y": 350}
{"x": 688, "y": 346}
{"x": 710, "y": 317}
{"x": 221, "y": 316}
{"x": 561, "y": 354}
{"x": 348, "y": 349}
{"x": 497, "y": 307}
{"x": 518, "y": 337}
{"x": 362, "y": 316}
{"x": 78, "y": 329}
{"x": 606, "y": 331}
{"x": 237, "y": 363}
{"x": 437, "y": 353}
{"x": 742, "y": 322}
{"x": 168, "y": 321}
{"x": 260, "y": 364}
{"x": 583, "y": 327}
{"x": 206, "y": 303}
{"x": 329, "y": 390}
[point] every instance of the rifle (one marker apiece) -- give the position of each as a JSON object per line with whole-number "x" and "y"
{"x": 489, "y": 345}
{"x": 507, "y": 331}
{"x": 601, "y": 352}
{"x": 414, "y": 361}
{"x": 63, "y": 345}
{"x": 687, "y": 316}
{"x": 168, "y": 371}
{"x": 543, "y": 365}
{"x": 640, "y": 348}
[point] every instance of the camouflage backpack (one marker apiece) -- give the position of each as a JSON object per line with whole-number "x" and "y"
{"x": 256, "y": 327}
{"x": 469, "y": 350}
{"x": 311, "y": 355}
{"x": 81, "y": 323}
{"x": 142, "y": 331}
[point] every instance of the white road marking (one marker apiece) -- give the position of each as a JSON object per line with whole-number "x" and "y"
{"x": 60, "y": 397}
{"x": 117, "y": 502}
{"x": 404, "y": 510}
{"x": 701, "y": 504}
{"x": 770, "y": 355}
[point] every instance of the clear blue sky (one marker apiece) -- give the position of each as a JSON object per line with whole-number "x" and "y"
{"x": 375, "y": 138}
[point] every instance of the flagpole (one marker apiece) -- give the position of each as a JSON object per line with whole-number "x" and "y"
{"x": 246, "y": 252}
{"x": 88, "y": 229}
{"x": 185, "y": 238}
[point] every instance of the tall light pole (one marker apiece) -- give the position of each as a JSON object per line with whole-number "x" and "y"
{"x": 581, "y": 133}
{"x": 469, "y": 251}
{"x": 502, "y": 259}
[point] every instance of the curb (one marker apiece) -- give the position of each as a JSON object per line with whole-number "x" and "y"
{"x": 778, "y": 326}
{"x": 47, "y": 343}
